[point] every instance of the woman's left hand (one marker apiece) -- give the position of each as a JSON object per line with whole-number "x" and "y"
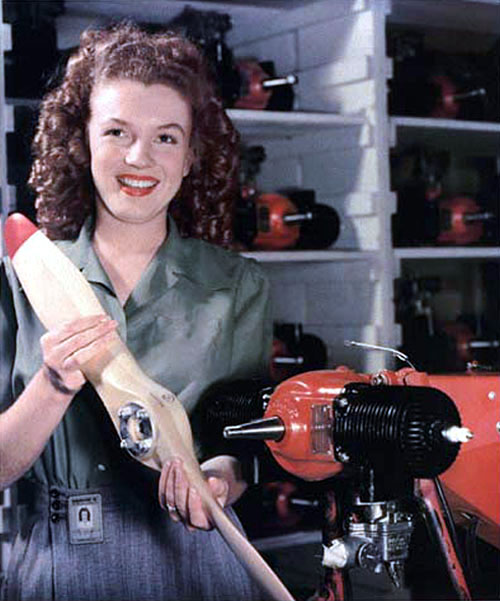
{"x": 183, "y": 502}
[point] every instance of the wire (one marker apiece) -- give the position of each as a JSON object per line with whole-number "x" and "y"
{"x": 449, "y": 521}
{"x": 375, "y": 347}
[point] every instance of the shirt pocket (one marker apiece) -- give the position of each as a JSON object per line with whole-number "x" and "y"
{"x": 185, "y": 340}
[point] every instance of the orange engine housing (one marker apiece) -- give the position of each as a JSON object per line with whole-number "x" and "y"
{"x": 304, "y": 403}
{"x": 472, "y": 483}
{"x": 273, "y": 233}
{"x": 459, "y": 230}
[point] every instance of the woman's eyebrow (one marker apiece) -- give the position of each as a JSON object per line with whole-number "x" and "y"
{"x": 115, "y": 120}
{"x": 119, "y": 121}
{"x": 170, "y": 125}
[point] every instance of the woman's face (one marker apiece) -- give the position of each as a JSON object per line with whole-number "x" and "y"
{"x": 139, "y": 140}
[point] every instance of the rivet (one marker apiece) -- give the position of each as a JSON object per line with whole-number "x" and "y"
{"x": 341, "y": 402}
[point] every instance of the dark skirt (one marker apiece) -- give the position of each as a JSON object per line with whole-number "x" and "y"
{"x": 143, "y": 555}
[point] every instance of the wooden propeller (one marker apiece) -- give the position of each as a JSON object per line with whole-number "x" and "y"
{"x": 150, "y": 420}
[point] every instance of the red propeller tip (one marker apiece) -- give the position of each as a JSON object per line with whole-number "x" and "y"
{"x": 18, "y": 229}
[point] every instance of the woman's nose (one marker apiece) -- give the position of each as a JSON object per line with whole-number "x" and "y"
{"x": 138, "y": 155}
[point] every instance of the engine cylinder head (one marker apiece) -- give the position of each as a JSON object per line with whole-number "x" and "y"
{"x": 400, "y": 425}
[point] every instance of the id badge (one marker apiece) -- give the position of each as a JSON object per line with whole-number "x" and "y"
{"x": 85, "y": 519}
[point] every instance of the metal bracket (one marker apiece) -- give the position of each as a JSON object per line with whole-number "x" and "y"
{"x": 136, "y": 429}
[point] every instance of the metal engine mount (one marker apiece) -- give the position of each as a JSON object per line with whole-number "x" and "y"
{"x": 136, "y": 429}
{"x": 377, "y": 536}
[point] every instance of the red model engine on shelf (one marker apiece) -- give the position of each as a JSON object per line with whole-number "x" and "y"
{"x": 285, "y": 219}
{"x": 295, "y": 351}
{"x": 259, "y": 87}
{"x": 461, "y": 221}
{"x": 244, "y": 83}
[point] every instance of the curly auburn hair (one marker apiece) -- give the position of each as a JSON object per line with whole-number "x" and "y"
{"x": 61, "y": 175}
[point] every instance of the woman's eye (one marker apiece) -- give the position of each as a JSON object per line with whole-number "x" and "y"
{"x": 167, "y": 139}
{"x": 114, "y": 132}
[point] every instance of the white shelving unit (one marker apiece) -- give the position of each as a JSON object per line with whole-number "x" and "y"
{"x": 335, "y": 142}
{"x": 307, "y": 126}
{"x": 462, "y": 139}
{"x": 474, "y": 138}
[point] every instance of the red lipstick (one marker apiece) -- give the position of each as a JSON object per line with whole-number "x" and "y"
{"x": 136, "y": 185}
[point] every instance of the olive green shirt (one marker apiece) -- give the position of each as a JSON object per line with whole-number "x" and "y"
{"x": 199, "y": 314}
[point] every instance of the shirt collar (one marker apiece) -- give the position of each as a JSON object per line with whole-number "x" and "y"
{"x": 82, "y": 253}
{"x": 176, "y": 257}
{"x": 188, "y": 258}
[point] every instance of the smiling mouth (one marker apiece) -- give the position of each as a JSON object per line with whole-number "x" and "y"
{"x": 137, "y": 186}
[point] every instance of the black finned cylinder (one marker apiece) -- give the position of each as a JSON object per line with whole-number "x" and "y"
{"x": 396, "y": 427}
{"x": 234, "y": 402}
{"x": 229, "y": 403}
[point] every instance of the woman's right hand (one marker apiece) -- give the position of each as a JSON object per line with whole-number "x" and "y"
{"x": 72, "y": 344}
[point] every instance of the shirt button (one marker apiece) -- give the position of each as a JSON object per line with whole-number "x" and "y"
{"x": 54, "y": 518}
{"x": 54, "y": 493}
{"x": 56, "y": 505}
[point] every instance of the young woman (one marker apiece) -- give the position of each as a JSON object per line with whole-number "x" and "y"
{"x": 133, "y": 154}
